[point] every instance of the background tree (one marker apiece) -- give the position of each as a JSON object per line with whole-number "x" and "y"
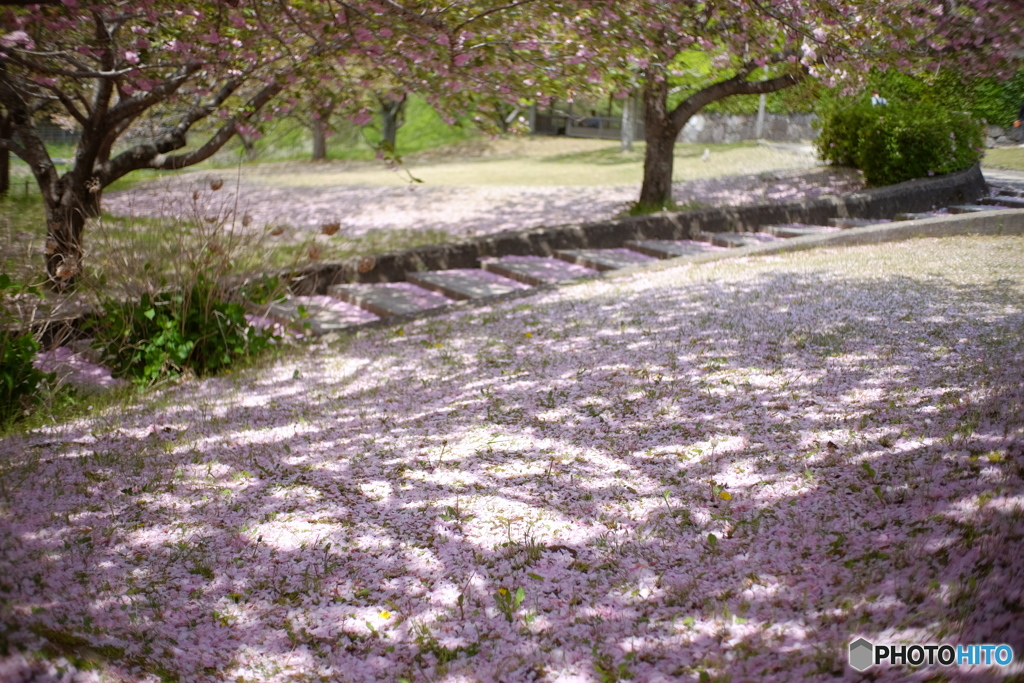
{"x": 123, "y": 68}
{"x": 759, "y": 48}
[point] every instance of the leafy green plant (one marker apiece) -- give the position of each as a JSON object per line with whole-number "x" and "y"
{"x": 163, "y": 334}
{"x": 898, "y": 141}
{"x": 20, "y": 380}
{"x": 509, "y": 601}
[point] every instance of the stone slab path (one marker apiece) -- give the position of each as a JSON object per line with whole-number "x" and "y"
{"x": 604, "y": 259}
{"x": 739, "y": 239}
{"x": 465, "y": 283}
{"x": 973, "y": 208}
{"x": 318, "y": 315}
{"x": 389, "y": 298}
{"x": 671, "y": 248}
{"x": 795, "y": 230}
{"x": 536, "y": 270}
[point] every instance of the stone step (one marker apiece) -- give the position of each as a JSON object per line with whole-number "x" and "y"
{"x": 1005, "y": 202}
{"x": 316, "y": 315}
{"x": 671, "y": 248}
{"x": 536, "y": 270}
{"x": 1005, "y": 190}
{"x": 465, "y": 283}
{"x": 739, "y": 239}
{"x": 389, "y": 298}
{"x": 915, "y": 216}
{"x": 847, "y": 223}
{"x": 972, "y": 208}
{"x": 797, "y": 230}
{"x": 604, "y": 259}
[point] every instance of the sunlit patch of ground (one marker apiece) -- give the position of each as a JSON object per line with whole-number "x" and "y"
{"x": 709, "y": 472}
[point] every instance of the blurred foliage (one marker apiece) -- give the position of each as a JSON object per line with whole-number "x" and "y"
{"x": 898, "y": 141}
{"x": 21, "y": 383}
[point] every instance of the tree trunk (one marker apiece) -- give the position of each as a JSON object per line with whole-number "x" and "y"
{"x": 249, "y": 147}
{"x": 65, "y": 222}
{"x": 391, "y": 120}
{"x": 6, "y": 130}
{"x": 627, "y": 125}
{"x": 319, "y": 140}
{"x": 660, "y": 134}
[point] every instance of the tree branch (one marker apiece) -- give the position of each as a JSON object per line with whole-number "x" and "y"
{"x": 151, "y": 155}
{"x": 137, "y": 104}
{"x": 12, "y": 146}
{"x": 737, "y": 85}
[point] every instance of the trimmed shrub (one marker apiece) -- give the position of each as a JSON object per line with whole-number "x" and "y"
{"x": 164, "y": 334}
{"x": 898, "y": 142}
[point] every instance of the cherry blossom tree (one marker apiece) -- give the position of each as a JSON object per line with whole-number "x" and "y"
{"x": 762, "y": 47}
{"x": 155, "y": 84}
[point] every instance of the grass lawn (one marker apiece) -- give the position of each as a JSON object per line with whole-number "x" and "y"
{"x": 715, "y": 472}
{"x": 536, "y": 161}
{"x": 1011, "y": 158}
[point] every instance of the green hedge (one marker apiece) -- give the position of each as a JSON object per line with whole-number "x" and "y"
{"x": 898, "y": 141}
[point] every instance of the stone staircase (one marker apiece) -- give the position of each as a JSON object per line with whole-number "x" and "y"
{"x": 350, "y": 305}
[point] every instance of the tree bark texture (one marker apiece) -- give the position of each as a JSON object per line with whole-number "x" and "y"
{"x": 65, "y": 224}
{"x": 6, "y": 130}
{"x": 319, "y": 140}
{"x": 660, "y": 133}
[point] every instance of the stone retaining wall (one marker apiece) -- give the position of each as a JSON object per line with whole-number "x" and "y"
{"x": 997, "y": 136}
{"x": 716, "y": 128}
{"x": 912, "y": 196}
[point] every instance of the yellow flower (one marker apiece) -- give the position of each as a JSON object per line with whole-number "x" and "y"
{"x": 725, "y": 495}
{"x": 385, "y": 614}
{"x": 503, "y": 591}
{"x": 529, "y": 334}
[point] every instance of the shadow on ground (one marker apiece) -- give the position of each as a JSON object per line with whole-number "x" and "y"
{"x": 369, "y": 513}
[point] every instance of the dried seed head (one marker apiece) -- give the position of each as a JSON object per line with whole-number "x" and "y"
{"x": 246, "y": 220}
{"x": 65, "y": 271}
{"x": 366, "y": 264}
{"x": 195, "y": 196}
{"x": 315, "y": 253}
{"x": 216, "y": 184}
{"x": 51, "y": 246}
{"x": 276, "y": 230}
{"x": 330, "y": 228}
